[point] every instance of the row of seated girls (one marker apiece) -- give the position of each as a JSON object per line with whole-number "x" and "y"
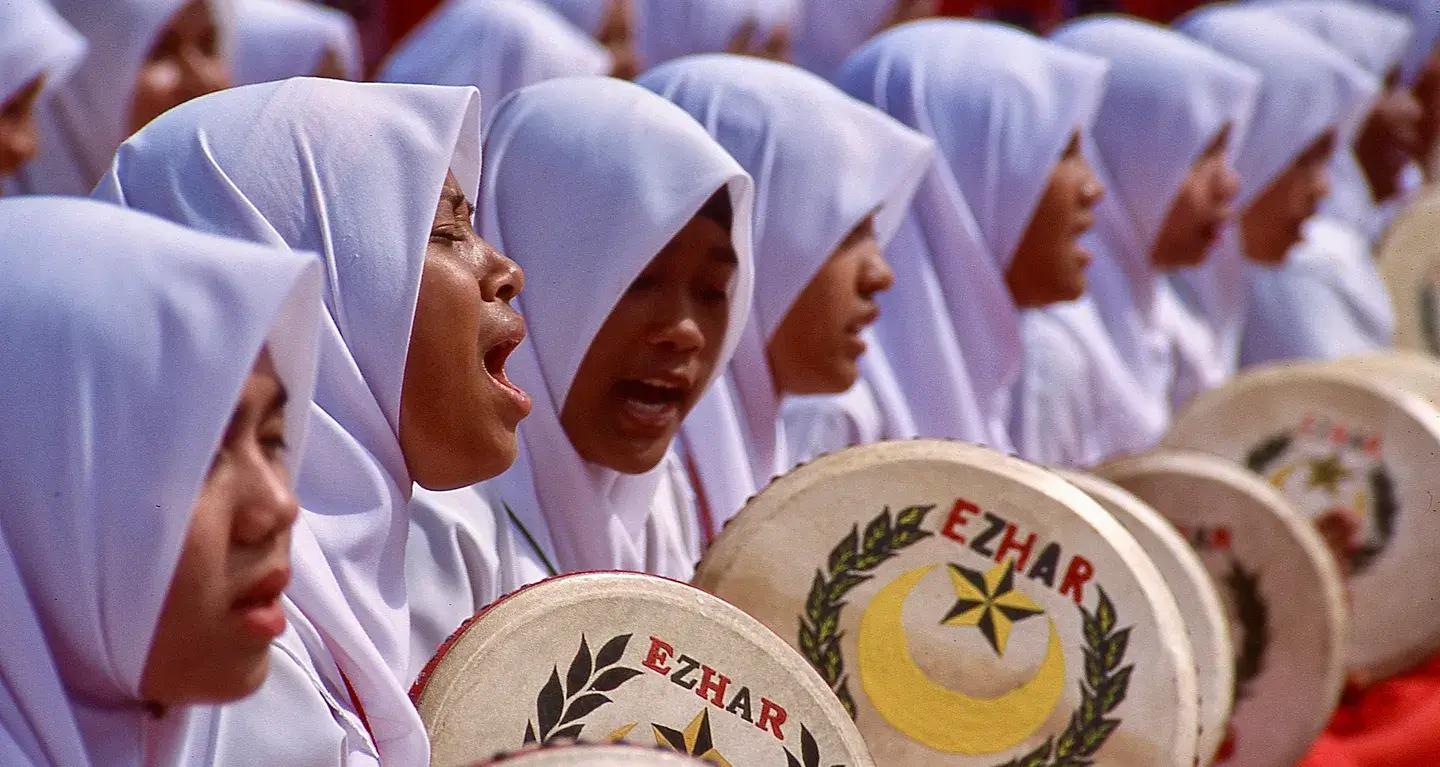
{"x": 273, "y": 425}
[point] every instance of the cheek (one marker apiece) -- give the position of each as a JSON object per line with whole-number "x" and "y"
{"x": 156, "y": 83}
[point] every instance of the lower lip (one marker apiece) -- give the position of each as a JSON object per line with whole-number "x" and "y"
{"x": 265, "y": 621}
{"x": 518, "y": 398}
{"x": 856, "y": 345}
{"x": 647, "y": 421}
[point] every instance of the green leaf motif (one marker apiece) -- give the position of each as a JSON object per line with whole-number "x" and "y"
{"x": 843, "y": 556}
{"x": 1114, "y": 648}
{"x": 579, "y": 669}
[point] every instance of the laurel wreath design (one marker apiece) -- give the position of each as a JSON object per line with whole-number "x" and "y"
{"x": 561, "y": 708}
{"x": 809, "y": 752}
{"x": 853, "y": 561}
{"x": 850, "y": 563}
{"x": 1103, "y": 689}
{"x": 1382, "y": 490}
{"x": 1254, "y": 618}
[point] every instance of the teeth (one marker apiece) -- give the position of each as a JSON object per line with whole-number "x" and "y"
{"x": 647, "y": 407}
{"x": 657, "y": 383}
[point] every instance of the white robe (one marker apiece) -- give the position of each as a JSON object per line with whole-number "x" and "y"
{"x": 276, "y": 39}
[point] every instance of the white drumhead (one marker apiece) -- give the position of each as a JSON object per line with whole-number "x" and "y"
{"x": 973, "y": 609}
{"x": 607, "y": 657}
{"x": 1357, "y": 456}
{"x": 1195, "y": 593}
{"x": 1409, "y": 261}
{"x": 1281, "y": 588}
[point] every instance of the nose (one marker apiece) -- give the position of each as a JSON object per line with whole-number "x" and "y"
{"x": 504, "y": 279}
{"x": 876, "y": 276}
{"x": 1092, "y": 189}
{"x": 18, "y": 147}
{"x": 676, "y": 327}
{"x": 1227, "y": 184}
{"x": 268, "y": 507}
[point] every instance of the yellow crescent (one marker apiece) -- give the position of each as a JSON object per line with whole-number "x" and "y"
{"x": 943, "y": 719}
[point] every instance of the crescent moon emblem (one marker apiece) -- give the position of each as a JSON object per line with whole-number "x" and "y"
{"x": 940, "y": 718}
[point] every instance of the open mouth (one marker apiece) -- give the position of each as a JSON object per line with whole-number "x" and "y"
{"x": 652, "y": 403}
{"x": 259, "y": 607}
{"x": 494, "y": 362}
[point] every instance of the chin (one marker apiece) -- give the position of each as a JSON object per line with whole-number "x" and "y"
{"x": 635, "y": 462}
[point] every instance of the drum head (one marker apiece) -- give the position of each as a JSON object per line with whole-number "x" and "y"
{"x": 606, "y": 657}
{"x": 968, "y": 607}
{"x": 1416, "y": 373}
{"x": 1281, "y": 589}
{"x": 1409, "y": 260}
{"x": 594, "y": 755}
{"x": 1357, "y": 457}
{"x": 1195, "y": 593}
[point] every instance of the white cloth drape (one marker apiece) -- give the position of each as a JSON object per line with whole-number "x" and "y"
{"x": 35, "y": 41}
{"x": 277, "y": 39}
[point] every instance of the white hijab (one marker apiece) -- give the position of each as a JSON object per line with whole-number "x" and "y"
{"x": 1001, "y": 106}
{"x": 352, "y": 171}
{"x": 1307, "y": 88}
{"x": 35, "y": 41}
{"x": 828, "y": 31}
{"x": 586, "y": 180}
{"x": 276, "y": 39}
{"x": 127, "y": 341}
{"x": 498, "y": 46}
{"x": 1166, "y": 100}
{"x": 89, "y": 114}
{"x": 1425, "y": 21}
{"x": 822, "y": 162}
{"x": 669, "y": 29}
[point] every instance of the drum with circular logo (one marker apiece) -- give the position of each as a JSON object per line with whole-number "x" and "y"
{"x": 1195, "y": 592}
{"x": 1357, "y": 456}
{"x": 1412, "y": 371}
{"x": 1281, "y": 589}
{"x": 1409, "y": 259}
{"x": 969, "y": 608}
{"x": 594, "y": 755}
{"x": 626, "y": 657}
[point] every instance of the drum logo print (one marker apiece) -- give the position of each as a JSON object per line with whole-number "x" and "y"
{"x": 564, "y": 707}
{"x": 1334, "y": 474}
{"x": 991, "y": 598}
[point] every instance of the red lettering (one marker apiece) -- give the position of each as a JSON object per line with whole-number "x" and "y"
{"x": 659, "y": 653}
{"x": 771, "y": 717}
{"x": 1008, "y": 544}
{"x": 1222, "y": 538}
{"x": 957, "y": 519}
{"x": 1077, "y": 575}
{"x": 710, "y": 688}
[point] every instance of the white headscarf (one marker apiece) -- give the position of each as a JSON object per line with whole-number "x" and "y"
{"x": 498, "y": 46}
{"x": 828, "y": 31}
{"x": 89, "y": 115}
{"x": 669, "y": 29}
{"x": 352, "y": 171}
{"x": 1001, "y": 105}
{"x": 1166, "y": 100}
{"x": 35, "y": 41}
{"x": 822, "y": 162}
{"x": 636, "y": 169}
{"x": 1425, "y": 21}
{"x": 276, "y": 39}
{"x": 1307, "y": 88}
{"x": 127, "y": 341}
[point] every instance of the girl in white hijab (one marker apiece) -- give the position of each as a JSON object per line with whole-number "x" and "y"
{"x": 1099, "y": 370}
{"x": 1420, "y": 70}
{"x": 1328, "y": 300}
{"x": 1005, "y": 110}
{"x": 834, "y": 179}
{"x": 276, "y": 39}
{"x": 1311, "y": 98}
{"x": 498, "y": 46}
{"x": 156, "y": 387}
{"x": 38, "y": 50}
{"x": 412, "y": 384}
{"x": 617, "y": 204}
{"x": 145, "y": 57}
